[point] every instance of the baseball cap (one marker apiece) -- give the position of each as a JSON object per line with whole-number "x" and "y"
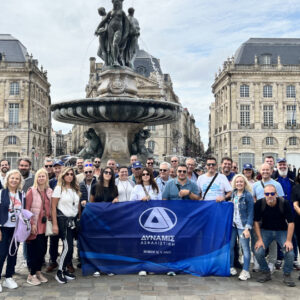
{"x": 58, "y": 163}
{"x": 279, "y": 160}
{"x": 247, "y": 167}
{"x": 137, "y": 164}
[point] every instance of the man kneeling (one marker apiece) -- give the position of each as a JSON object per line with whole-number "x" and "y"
{"x": 277, "y": 224}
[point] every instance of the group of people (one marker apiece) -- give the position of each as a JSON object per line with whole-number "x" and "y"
{"x": 266, "y": 218}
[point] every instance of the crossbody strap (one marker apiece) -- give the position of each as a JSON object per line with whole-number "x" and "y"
{"x": 209, "y": 186}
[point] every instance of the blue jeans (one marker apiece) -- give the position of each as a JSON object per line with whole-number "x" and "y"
{"x": 268, "y": 237}
{"x": 245, "y": 246}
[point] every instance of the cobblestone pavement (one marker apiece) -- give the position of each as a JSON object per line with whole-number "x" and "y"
{"x": 152, "y": 287}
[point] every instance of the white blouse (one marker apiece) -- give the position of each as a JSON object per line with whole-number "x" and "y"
{"x": 138, "y": 193}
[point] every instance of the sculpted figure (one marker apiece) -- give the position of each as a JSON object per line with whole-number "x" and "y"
{"x": 138, "y": 145}
{"x": 101, "y": 31}
{"x": 93, "y": 146}
{"x": 132, "y": 43}
{"x": 117, "y": 33}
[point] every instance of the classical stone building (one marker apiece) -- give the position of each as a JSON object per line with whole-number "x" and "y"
{"x": 181, "y": 138}
{"x": 25, "y": 119}
{"x": 257, "y": 102}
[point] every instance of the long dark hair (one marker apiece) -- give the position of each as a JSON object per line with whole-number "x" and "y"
{"x": 152, "y": 181}
{"x": 297, "y": 179}
{"x": 111, "y": 185}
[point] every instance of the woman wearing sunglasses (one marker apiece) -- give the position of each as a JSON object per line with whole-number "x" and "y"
{"x": 65, "y": 208}
{"x": 147, "y": 189}
{"x": 242, "y": 222}
{"x": 105, "y": 189}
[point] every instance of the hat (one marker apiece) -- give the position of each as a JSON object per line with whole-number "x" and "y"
{"x": 247, "y": 167}
{"x": 58, "y": 163}
{"x": 279, "y": 160}
{"x": 136, "y": 165}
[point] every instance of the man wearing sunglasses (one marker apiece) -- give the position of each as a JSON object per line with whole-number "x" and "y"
{"x": 174, "y": 162}
{"x": 213, "y": 186}
{"x": 48, "y": 165}
{"x": 150, "y": 165}
{"x": 181, "y": 187}
{"x": 80, "y": 177}
{"x": 86, "y": 185}
{"x": 164, "y": 176}
{"x": 97, "y": 165}
{"x": 277, "y": 224}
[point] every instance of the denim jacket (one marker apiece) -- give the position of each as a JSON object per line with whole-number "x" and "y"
{"x": 246, "y": 208}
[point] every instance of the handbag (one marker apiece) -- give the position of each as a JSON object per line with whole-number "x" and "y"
{"x": 49, "y": 230}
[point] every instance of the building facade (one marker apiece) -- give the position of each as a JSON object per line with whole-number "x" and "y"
{"x": 25, "y": 117}
{"x": 257, "y": 100}
{"x": 181, "y": 138}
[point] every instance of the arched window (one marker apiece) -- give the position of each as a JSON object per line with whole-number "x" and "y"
{"x": 244, "y": 91}
{"x": 293, "y": 141}
{"x": 267, "y": 91}
{"x": 269, "y": 141}
{"x": 290, "y": 91}
{"x": 12, "y": 140}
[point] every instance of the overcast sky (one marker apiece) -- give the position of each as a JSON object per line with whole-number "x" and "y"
{"x": 191, "y": 38}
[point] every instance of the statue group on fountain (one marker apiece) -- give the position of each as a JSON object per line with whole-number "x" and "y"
{"x": 118, "y": 36}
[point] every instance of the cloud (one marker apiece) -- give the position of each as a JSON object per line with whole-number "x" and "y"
{"x": 191, "y": 39}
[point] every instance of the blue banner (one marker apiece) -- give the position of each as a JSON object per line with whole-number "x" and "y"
{"x": 156, "y": 236}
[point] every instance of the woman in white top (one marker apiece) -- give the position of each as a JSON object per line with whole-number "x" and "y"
{"x": 147, "y": 189}
{"x": 65, "y": 208}
{"x": 11, "y": 203}
{"x": 125, "y": 186}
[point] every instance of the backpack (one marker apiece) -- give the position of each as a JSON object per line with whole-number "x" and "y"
{"x": 22, "y": 230}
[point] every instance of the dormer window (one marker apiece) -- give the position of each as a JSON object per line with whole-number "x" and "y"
{"x": 266, "y": 59}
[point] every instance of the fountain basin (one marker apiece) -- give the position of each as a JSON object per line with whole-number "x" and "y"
{"x": 116, "y": 109}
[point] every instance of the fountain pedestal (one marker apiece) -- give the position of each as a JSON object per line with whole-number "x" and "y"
{"x": 117, "y": 138}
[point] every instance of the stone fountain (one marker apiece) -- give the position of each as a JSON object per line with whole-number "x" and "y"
{"x": 116, "y": 117}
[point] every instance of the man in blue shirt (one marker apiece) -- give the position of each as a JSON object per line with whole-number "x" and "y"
{"x": 226, "y": 165}
{"x": 164, "y": 176}
{"x": 181, "y": 187}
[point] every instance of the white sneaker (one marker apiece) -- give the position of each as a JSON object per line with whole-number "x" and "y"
{"x": 244, "y": 275}
{"x": 233, "y": 271}
{"x": 10, "y": 283}
{"x": 271, "y": 267}
{"x": 142, "y": 273}
{"x": 96, "y": 274}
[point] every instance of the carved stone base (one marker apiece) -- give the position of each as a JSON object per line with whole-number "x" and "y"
{"x": 116, "y": 139}
{"x": 116, "y": 82}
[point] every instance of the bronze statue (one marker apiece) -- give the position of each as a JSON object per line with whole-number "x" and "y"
{"x": 93, "y": 146}
{"x": 118, "y": 35}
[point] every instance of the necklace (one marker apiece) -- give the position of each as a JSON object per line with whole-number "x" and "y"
{"x": 125, "y": 188}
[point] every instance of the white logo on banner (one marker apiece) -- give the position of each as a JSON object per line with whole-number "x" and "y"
{"x": 159, "y": 219}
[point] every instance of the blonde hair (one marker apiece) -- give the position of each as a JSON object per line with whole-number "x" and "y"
{"x": 40, "y": 171}
{"x": 61, "y": 180}
{"x": 247, "y": 184}
{"x": 8, "y": 174}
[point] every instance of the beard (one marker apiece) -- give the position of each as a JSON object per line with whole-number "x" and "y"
{"x": 4, "y": 170}
{"x": 283, "y": 173}
{"x": 24, "y": 173}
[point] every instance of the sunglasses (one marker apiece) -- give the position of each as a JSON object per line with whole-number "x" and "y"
{"x": 107, "y": 173}
{"x": 88, "y": 172}
{"x": 49, "y": 166}
{"x": 270, "y": 194}
{"x": 137, "y": 169}
{"x": 69, "y": 174}
{"x": 150, "y": 163}
{"x": 97, "y": 162}
{"x": 88, "y": 165}
{"x": 163, "y": 170}
{"x": 174, "y": 160}
{"x": 211, "y": 165}
{"x": 181, "y": 171}
{"x": 145, "y": 174}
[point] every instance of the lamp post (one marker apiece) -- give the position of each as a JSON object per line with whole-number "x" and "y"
{"x": 32, "y": 153}
{"x": 284, "y": 150}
